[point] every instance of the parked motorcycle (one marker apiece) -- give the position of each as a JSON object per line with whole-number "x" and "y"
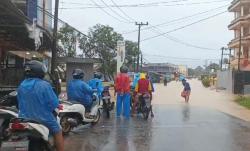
{"x": 144, "y": 105}
{"x": 8, "y": 110}
{"x": 27, "y": 135}
{"x": 74, "y": 114}
{"x": 107, "y": 104}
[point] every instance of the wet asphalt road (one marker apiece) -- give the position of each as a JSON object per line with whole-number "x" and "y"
{"x": 174, "y": 128}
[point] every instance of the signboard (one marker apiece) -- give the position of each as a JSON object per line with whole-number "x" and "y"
{"x": 120, "y": 54}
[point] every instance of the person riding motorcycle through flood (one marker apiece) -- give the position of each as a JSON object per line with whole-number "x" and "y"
{"x": 122, "y": 89}
{"x": 37, "y": 100}
{"x": 80, "y": 91}
{"x": 96, "y": 83}
{"x": 143, "y": 86}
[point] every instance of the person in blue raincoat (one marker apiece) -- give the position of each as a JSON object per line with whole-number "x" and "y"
{"x": 96, "y": 83}
{"x": 80, "y": 91}
{"x": 37, "y": 100}
{"x": 136, "y": 79}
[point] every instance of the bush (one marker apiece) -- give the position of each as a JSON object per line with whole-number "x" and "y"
{"x": 206, "y": 82}
{"x": 243, "y": 101}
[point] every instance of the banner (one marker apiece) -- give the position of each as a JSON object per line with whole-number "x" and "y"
{"x": 120, "y": 54}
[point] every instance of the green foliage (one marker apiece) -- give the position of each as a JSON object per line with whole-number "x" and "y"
{"x": 131, "y": 53}
{"x": 67, "y": 40}
{"x": 213, "y": 66}
{"x": 243, "y": 101}
{"x": 206, "y": 82}
{"x": 101, "y": 43}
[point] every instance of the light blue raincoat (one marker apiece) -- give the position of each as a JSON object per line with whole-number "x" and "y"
{"x": 37, "y": 101}
{"x": 96, "y": 84}
{"x": 78, "y": 90}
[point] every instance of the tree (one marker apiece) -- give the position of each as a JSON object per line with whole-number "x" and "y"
{"x": 101, "y": 42}
{"x": 131, "y": 53}
{"x": 67, "y": 41}
{"x": 213, "y": 66}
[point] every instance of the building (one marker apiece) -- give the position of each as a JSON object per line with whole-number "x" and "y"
{"x": 241, "y": 27}
{"x": 20, "y": 40}
{"x": 183, "y": 70}
{"x": 161, "y": 68}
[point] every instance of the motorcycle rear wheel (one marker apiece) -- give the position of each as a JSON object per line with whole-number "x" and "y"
{"x": 145, "y": 113}
{"x": 97, "y": 118}
{"x": 66, "y": 127}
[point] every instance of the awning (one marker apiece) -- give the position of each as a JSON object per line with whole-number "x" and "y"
{"x": 27, "y": 54}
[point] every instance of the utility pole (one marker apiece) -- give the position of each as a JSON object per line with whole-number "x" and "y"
{"x": 139, "y": 37}
{"x": 54, "y": 44}
{"x": 221, "y": 61}
{"x": 141, "y": 60}
{"x": 239, "y": 53}
{"x": 229, "y": 63}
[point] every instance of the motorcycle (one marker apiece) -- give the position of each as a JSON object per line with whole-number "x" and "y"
{"x": 74, "y": 114}
{"x": 107, "y": 104}
{"x": 144, "y": 105}
{"x": 27, "y": 135}
{"x": 8, "y": 110}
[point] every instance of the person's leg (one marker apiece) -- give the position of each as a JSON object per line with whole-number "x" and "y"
{"x": 58, "y": 139}
{"x": 119, "y": 105}
{"x": 187, "y": 96}
{"x": 134, "y": 104}
{"x": 126, "y": 105}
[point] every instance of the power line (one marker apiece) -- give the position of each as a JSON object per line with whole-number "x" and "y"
{"x": 122, "y": 10}
{"x": 157, "y": 30}
{"x": 178, "y": 58}
{"x": 160, "y": 4}
{"x": 167, "y": 23}
{"x": 172, "y": 38}
{"x": 115, "y": 11}
{"x": 106, "y": 12}
{"x": 63, "y": 22}
{"x": 182, "y": 27}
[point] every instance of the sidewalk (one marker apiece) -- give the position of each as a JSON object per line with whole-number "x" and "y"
{"x": 201, "y": 97}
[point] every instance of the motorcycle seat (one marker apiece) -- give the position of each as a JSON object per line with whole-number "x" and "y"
{"x": 74, "y": 102}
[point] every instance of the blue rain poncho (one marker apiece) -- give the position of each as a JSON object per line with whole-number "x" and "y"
{"x": 136, "y": 79}
{"x": 78, "y": 90}
{"x": 96, "y": 84}
{"x": 37, "y": 101}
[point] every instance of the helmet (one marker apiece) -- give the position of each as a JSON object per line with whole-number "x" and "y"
{"x": 35, "y": 69}
{"x": 78, "y": 74}
{"x": 97, "y": 75}
{"x": 124, "y": 69}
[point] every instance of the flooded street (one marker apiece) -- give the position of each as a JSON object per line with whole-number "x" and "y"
{"x": 176, "y": 126}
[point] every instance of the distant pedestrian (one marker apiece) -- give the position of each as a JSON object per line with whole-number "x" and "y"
{"x": 186, "y": 91}
{"x": 122, "y": 89}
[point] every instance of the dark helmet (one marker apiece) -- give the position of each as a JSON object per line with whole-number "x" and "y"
{"x": 124, "y": 69}
{"x": 97, "y": 75}
{"x": 78, "y": 74}
{"x": 35, "y": 69}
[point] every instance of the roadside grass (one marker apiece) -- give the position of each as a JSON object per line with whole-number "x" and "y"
{"x": 243, "y": 101}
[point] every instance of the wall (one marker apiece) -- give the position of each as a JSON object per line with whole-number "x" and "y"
{"x": 225, "y": 80}
{"x": 86, "y": 67}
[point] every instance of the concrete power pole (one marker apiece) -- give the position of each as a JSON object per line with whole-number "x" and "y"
{"x": 239, "y": 53}
{"x": 139, "y": 37}
{"x": 54, "y": 44}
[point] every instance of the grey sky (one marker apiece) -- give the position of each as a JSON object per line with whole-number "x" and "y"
{"x": 212, "y": 33}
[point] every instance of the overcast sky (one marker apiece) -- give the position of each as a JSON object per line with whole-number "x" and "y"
{"x": 212, "y": 33}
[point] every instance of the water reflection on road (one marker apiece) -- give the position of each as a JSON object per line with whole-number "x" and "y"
{"x": 174, "y": 128}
